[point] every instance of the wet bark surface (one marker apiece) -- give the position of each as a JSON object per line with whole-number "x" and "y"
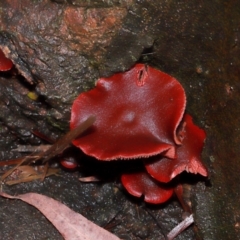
{"x": 61, "y": 47}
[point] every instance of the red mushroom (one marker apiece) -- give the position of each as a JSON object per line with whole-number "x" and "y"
{"x": 5, "y": 63}
{"x": 141, "y": 183}
{"x": 137, "y": 112}
{"x": 69, "y": 163}
{"x": 188, "y": 154}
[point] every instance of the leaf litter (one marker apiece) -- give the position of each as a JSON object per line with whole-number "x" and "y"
{"x": 70, "y": 224}
{"x": 52, "y": 151}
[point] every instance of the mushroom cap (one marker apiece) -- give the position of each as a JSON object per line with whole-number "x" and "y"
{"x": 68, "y": 163}
{"x": 141, "y": 183}
{"x": 137, "y": 115}
{"x": 188, "y": 155}
{"x": 5, "y": 63}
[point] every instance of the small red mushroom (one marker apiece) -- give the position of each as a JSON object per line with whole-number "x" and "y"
{"x": 69, "y": 163}
{"x": 5, "y": 63}
{"x": 141, "y": 183}
{"x": 188, "y": 154}
{"x": 69, "y": 158}
{"x": 137, "y": 112}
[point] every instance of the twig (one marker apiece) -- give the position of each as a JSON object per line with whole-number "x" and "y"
{"x": 56, "y": 148}
{"x": 180, "y": 227}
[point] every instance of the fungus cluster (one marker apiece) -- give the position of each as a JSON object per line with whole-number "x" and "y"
{"x": 140, "y": 114}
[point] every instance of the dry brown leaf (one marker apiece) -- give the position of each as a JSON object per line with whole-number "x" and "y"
{"x": 28, "y": 173}
{"x": 72, "y": 225}
{"x": 11, "y": 162}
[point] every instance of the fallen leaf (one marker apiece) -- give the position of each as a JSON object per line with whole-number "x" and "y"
{"x": 11, "y": 162}
{"x": 28, "y": 173}
{"x": 71, "y": 225}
